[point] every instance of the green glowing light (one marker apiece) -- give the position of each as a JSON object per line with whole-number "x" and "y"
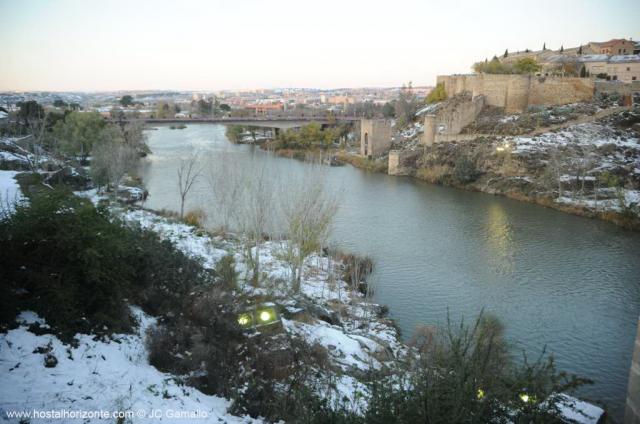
{"x": 480, "y": 393}
{"x": 525, "y": 398}
{"x": 244, "y": 320}
{"x": 265, "y": 315}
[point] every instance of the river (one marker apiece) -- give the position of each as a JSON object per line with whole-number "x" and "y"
{"x": 556, "y": 280}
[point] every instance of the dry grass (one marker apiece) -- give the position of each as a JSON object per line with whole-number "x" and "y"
{"x": 195, "y": 218}
{"x": 372, "y": 165}
{"x": 434, "y": 174}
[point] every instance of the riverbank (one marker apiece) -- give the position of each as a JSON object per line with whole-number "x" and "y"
{"x": 350, "y": 338}
{"x": 333, "y": 157}
{"x": 588, "y": 167}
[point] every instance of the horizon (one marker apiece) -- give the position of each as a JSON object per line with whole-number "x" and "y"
{"x": 73, "y": 46}
{"x": 248, "y": 90}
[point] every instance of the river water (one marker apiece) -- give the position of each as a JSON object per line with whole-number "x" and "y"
{"x": 556, "y": 280}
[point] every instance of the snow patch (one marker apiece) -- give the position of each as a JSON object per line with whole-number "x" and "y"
{"x": 10, "y": 193}
{"x": 97, "y": 375}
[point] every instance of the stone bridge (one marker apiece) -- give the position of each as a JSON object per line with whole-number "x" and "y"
{"x": 278, "y": 123}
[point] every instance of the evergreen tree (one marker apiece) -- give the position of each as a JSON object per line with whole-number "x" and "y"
{"x": 580, "y": 50}
{"x": 544, "y": 46}
{"x": 583, "y": 72}
{"x": 126, "y": 100}
{"x": 506, "y": 53}
{"x": 562, "y": 49}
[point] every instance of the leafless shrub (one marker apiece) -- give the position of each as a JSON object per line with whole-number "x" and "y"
{"x": 189, "y": 171}
{"x": 308, "y": 211}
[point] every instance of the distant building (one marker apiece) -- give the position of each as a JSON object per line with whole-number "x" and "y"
{"x": 594, "y": 64}
{"x": 264, "y": 108}
{"x": 616, "y": 46}
{"x": 341, "y": 100}
{"x": 625, "y": 68}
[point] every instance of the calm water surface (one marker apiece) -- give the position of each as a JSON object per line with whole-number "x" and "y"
{"x": 569, "y": 283}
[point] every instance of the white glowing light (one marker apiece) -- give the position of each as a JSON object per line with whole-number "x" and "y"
{"x": 265, "y": 316}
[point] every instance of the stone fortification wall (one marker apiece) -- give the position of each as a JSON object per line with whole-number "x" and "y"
{"x": 515, "y": 93}
{"x": 452, "y": 116}
{"x": 403, "y": 162}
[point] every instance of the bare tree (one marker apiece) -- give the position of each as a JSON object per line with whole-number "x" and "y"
{"x": 256, "y": 216}
{"x": 189, "y": 171}
{"x": 134, "y": 136}
{"x": 584, "y": 164}
{"x": 308, "y": 212}
{"x": 554, "y": 171}
{"x": 112, "y": 158}
{"x": 38, "y": 130}
{"x": 226, "y": 184}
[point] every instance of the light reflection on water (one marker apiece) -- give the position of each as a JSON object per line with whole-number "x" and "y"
{"x": 500, "y": 246}
{"x": 569, "y": 283}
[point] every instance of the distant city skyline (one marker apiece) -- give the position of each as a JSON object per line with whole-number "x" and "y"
{"x": 193, "y": 45}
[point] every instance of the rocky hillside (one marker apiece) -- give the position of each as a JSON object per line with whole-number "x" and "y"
{"x": 575, "y": 158}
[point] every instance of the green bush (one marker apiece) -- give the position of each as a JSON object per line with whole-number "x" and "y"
{"x": 465, "y": 170}
{"x": 79, "y": 269}
{"x": 226, "y": 272}
{"x": 525, "y": 65}
{"x": 438, "y": 94}
{"x": 204, "y": 334}
{"x": 494, "y": 66}
{"x": 234, "y": 133}
{"x": 307, "y": 136}
{"x": 465, "y": 375}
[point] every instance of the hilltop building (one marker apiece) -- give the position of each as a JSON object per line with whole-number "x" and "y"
{"x": 615, "y": 46}
{"x": 625, "y": 68}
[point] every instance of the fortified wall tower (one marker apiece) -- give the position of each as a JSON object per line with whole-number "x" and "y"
{"x": 375, "y": 137}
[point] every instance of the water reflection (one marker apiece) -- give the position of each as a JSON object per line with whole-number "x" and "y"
{"x": 499, "y": 240}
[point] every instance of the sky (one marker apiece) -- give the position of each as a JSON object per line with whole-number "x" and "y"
{"x": 107, "y": 45}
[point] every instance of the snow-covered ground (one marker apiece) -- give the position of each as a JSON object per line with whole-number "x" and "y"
{"x": 591, "y": 134}
{"x": 10, "y": 192}
{"x": 579, "y": 411}
{"x": 96, "y": 377}
{"x": 321, "y": 284}
{"x": 12, "y": 152}
{"x": 597, "y": 147}
{"x": 606, "y": 202}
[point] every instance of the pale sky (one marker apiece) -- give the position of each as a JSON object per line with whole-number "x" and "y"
{"x": 75, "y": 45}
